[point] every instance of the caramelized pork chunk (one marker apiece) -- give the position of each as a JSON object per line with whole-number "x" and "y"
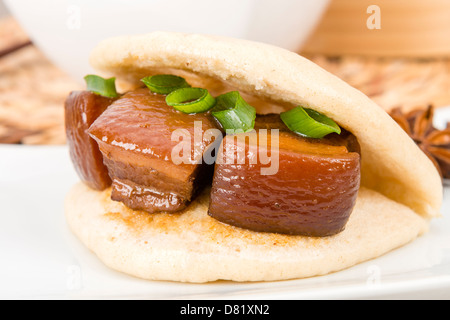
{"x": 82, "y": 108}
{"x": 136, "y": 138}
{"x": 312, "y": 192}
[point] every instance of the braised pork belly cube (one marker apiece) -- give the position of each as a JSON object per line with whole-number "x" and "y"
{"x": 310, "y": 189}
{"x": 82, "y": 108}
{"x": 135, "y": 136}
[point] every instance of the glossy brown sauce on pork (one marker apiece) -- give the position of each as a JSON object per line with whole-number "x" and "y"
{"x": 127, "y": 144}
{"x": 312, "y": 193}
{"x": 82, "y": 108}
{"x": 135, "y": 137}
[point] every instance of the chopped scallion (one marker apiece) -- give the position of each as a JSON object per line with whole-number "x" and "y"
{"x": 191, "y": 100}
{"x": 309, "y": 123}
{"x": 165, "y": 83}
{"x": 101, "y": 86}
{"x": 234, "y": 113}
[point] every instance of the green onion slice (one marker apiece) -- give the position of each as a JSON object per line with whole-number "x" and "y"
{"x": 101, "y": 86}
{"x": 309, "y": 123}
{"x": 234, "y": 113}
{"x": 165, "y": 83}
{"x": 191, "y": 100}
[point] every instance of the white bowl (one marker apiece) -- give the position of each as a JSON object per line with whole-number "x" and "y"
{"x": 67, "y": 30}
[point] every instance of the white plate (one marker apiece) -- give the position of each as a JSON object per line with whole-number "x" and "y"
{"x": 41, "y": 259}
{"x": 442, "y": 117}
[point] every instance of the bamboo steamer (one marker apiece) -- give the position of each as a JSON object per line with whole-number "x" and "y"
{"x": 409, "y": 28}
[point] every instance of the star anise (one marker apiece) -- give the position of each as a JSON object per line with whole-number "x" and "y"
{"x": 433, "y": 142}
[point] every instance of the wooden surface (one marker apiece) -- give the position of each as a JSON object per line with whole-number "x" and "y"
{"x": 407, "y": 28}
{"x": 394, "y": 82}
{"x": 33, "y": 90}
